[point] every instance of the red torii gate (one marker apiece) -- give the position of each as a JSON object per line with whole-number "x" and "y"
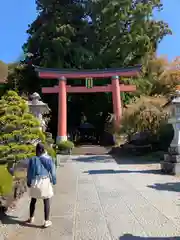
{"x": 62, "y": 89}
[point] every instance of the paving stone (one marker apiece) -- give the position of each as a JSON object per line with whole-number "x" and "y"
{"x": 96, "y": 199}
{"x": 62, "y": 229}
{"x": 91, "y": 226}
{"x": 64, "y": 205}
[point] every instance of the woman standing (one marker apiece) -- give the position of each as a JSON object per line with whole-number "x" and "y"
{"x": 41, "y": 175}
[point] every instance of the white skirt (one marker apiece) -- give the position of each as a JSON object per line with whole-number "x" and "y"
{"x": 41, "y": 188}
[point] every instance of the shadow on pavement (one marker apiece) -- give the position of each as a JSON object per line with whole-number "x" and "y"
{"x": 172, "y": 186}
{"x": 131, "y": 237}
{"x": 91, "y": 157}
{"x": 111, "y": 171}
{"x": 9, "y": 220}
{"x": 139, "y": 160}
{"x": 99, "y": 159}
{"x": 90, "y": 154}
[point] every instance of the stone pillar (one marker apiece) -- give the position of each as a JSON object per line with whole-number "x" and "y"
{"x": 62, "y": 111}
{"x": 171, "y": 163}
{"x": 116, "y": 99}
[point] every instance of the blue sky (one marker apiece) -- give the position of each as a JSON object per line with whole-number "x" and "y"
{"x": 15, "y": 15}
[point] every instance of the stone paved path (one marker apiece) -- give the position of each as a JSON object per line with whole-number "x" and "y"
{"x": 89, "y": 149}
{"x": 96, "y": 199}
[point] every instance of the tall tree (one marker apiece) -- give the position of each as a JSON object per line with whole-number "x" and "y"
{"x": 89, "y": 34}
{"x": 159, "y": 77}
{"x": 56, "y": 37}
{"x": 124, "y": 31}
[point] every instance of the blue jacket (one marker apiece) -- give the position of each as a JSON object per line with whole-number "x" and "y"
{"x": 41, "y": 166}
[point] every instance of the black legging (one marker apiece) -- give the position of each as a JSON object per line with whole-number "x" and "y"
{"x": 46, "y": 208}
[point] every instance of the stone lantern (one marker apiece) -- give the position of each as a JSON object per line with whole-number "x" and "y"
{"x": 171, "y": 163}
{"x": 38, "y": 108}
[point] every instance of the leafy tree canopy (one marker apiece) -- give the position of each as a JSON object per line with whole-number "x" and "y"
{"x": 117, "y": 33}
{"x": 89, "y": 34}
{"x": 159, "y": 77}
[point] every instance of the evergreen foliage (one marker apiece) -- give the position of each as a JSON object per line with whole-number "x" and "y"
{"x": 18, "y": 129}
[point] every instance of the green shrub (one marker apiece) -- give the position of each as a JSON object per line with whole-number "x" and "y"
{"x": 18, "y": 128}
{"x": 65, "y": 145}
{"x": 49, "y": 139}
{"x": 145, "y": 114}
{"x": 165, "y": 136}
{"x": 51, "y": 151}
{"x": 6, "y": 181}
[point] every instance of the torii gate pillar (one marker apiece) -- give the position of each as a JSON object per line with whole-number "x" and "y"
{"x": 62, "y": 110}
{"x": 116, "y": 99}
{"x": 62, "y": 106}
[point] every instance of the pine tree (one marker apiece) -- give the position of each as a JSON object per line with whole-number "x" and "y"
{"x": 18, "y": 129}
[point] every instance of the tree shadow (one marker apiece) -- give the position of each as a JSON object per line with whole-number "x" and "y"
{"x": 90, "y": 154}
{"x": 131, "y": 237}
{"x": 171, "y": 186}
{"x": 112, "y": 171}
{"x": 139, "y": 160}
{"x": 95, "y": 159}
{"x": 105, "y": 157}
{"x": 10, "y": 220}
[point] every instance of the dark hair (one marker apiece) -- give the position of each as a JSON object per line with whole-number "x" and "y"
{"x": 40, "y": 149}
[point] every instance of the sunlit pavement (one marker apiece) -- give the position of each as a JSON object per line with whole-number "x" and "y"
{"x": 96, "y": 199}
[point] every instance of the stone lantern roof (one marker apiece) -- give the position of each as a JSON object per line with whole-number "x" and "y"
{"x": 35, "y": 102}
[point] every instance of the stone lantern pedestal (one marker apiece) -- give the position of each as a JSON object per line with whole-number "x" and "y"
{"x": 171, "y": 163}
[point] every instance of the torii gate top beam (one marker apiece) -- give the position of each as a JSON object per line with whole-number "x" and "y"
{"x": 51, "y": 73}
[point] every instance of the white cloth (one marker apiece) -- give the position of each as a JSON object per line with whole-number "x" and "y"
{"x": 41, "y": 188}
